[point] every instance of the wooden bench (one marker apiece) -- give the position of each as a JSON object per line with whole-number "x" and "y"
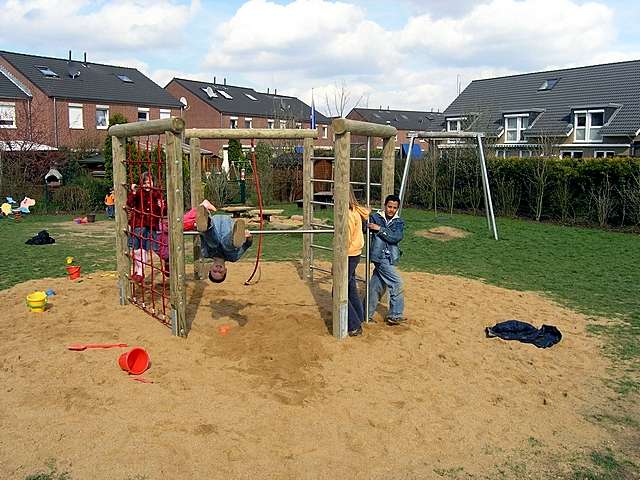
{"x": 237, "y": 211}
{"x": 266, "y": 214}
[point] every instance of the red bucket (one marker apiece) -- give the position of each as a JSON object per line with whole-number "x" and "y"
{"x": 73, "y": 271}
{"x": 135, "y": 361}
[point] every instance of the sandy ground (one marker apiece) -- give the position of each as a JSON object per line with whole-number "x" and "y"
{"x": 442, "y": 233}
{"x": 278, "y": 397}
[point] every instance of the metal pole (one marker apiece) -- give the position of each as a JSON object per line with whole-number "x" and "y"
{"x": 405, "y": 174}
{"x": 367, "y": 260}
{"x": 276, "y": 232}
{"x": 491, "y": 219}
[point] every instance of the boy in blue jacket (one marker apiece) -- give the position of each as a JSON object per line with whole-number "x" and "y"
{"x": 387, "y": 230}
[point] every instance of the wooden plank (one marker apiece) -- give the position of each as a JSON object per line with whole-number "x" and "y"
{"x": 152, "y": 127}
{"x": 175, "y": 204}
{"x": 342, "y": 172}
{"x": 197, "y": 196}
{"x": 120, "y": 193}
{"x": 343, "y": 125}
{"x": 249, "y": 133}
{"x": 446, "y": 135}
{"x": 307, "y": 209}
{"x": 388, "y": 166}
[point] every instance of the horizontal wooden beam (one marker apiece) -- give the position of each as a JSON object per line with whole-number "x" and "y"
{"x": 249, "y": 133}
{"x": 445, "y": 135}
{"x": 343, "y": 125}
{"x": 152, "y": 127}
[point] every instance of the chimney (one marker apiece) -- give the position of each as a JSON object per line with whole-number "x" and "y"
{"x": 267, "y": 90}
{"x": 69, "y": 55}
{"x": 214, "y": 80}
{"x": 275, "y": 91}
{"x": 224, "y": 80}
{"x": 85, "y": 59}
{"x": 387, "y": 108}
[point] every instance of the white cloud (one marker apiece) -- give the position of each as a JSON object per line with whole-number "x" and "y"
{"x": 524, "y": 33}
{"x": 91, "y": 26}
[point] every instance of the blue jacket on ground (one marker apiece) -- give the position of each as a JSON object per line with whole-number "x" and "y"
{"x": 217, "y": 241}
{"x": 384, "y": 243}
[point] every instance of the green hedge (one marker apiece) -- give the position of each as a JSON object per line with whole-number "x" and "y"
{"x": 600, "y": 191}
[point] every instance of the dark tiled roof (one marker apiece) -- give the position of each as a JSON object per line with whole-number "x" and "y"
{"x": 613, "y": 85}
{"x": 8, "y": 89}
{"x": 266, "y": 104}
{"x": 96, "y": 82}
{"x": 404, "y": 119}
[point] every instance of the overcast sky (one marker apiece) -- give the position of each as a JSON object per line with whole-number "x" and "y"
{"x": 407, "y": 54}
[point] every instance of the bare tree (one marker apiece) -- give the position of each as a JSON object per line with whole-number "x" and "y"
{"x": 340, "y": 100}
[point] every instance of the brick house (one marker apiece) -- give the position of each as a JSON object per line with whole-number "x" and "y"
{"x": 405, "y": 121}
{"x": 65, "y": 102}
{"x": 582, "y": 112}
{"x": 215, "y": 105}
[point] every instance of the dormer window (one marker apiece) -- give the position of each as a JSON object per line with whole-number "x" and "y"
{"x": 588, "y": 124}
{"x": 514, "y": 127}
{"x": 455, "y": 124}
{"x": 549, "y": 83}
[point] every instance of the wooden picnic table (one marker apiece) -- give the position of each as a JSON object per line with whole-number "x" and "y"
{"x": 266, "y": 214}
{"x": 237, "y": 211}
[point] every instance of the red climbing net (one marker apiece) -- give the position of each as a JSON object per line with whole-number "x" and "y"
{"x": 147, "y": 234}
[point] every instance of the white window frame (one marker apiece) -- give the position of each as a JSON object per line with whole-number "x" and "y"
{"x": 271, "y": 124}
{"x": 10, "y": 107}
{"x": 521, "y": 153}
{"x": 250, "y": 120}
{"x": 233, "y": 122}
{"x": 605, "y": 153}
{"x": 588, "y": 128}
{"x": 501, "y": 154}
{"x": 283, "y": 124}
{"x": 458, "y": 122}
{"x": 571, "y": 153}
{"x": 165, "y": 113}
{"x": 325, "y": 131}
{"x": 519, "y": 128}
{"x": 299, "y": 125}
{"x": 105, "y": 108}
{"x": 77, "y": 107}
{"x": 145, "y": 111}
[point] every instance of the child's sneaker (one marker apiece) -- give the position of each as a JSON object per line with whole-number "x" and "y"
{"x": 239, "y": 230}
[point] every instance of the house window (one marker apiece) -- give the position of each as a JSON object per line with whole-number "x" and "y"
{"x": 102, "y": 117}
{"x": 7, "y": 115}
{"x": 604, "y": 154}
{"x": 75, "y": 116}
{"x": 588, "y": 124}
{"x": 165, "y": 113}
{"x": 283, "y": 124}
{"x": 571, "y": 153}
{"x": 525, "y": 153}
{"x": 455, "y": 124}
{"x": 325, "y": 131}
{"x": 514, "y": 127}
{"x": 501, "y": 153}
{"x": 248, "y": 123}
{"x": 270, "y": 123}
{"x": 143, "y": 114}
{"x": 299, "y": 125}
{"x": 233, "y": 122}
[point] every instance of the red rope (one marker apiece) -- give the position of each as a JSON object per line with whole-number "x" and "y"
{"x": 256, "y": 179}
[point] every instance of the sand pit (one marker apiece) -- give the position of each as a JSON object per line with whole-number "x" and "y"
{"x": 444, "y": 234}
{"x": 277, "y": 397}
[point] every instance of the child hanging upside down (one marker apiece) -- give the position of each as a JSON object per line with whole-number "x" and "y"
{"x": 223, "y": 239}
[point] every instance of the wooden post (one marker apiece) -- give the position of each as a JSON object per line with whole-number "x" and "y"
{"x": 120, "y": 193}
{"x": 175, "y": 203}
{"x": 307, "y": 209}
{"x": 197, "y": 197}
{"x": 342, "y": 174}
{"x": 388, "y": 166}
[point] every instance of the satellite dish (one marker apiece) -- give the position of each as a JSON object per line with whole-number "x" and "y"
{"x": 183, "y": 101}
{"x": 74, "y": 72}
